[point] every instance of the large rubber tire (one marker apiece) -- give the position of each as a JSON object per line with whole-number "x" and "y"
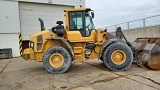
{"x": 113, "y": 47}
{"x": 67, "y": 59}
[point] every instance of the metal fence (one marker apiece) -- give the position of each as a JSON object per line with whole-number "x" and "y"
{"x": 139, "y": 23}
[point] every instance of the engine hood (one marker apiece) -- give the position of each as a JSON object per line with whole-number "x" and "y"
{"x": 45, "y": 34}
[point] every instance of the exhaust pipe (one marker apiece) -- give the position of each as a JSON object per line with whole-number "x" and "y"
{"x": 42, "y": 24}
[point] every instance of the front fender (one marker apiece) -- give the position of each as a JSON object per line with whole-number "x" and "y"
{"x": 111, "y": 39}
{"x": 106, "y": 44}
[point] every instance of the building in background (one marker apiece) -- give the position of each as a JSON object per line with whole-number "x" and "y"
{"x": 20, "y": 17}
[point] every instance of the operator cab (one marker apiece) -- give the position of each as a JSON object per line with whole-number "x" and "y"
{"x": 81, "y": 20}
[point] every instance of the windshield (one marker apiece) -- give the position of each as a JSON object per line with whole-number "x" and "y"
{"x": 89, "y": 24}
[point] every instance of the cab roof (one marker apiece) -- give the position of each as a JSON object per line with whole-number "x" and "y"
{"x": 78, "y": 9}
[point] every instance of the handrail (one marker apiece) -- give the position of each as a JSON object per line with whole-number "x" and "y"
{"x": 128, "y": 23}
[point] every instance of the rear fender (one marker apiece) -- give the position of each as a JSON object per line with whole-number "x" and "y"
{"x": 68, "y": 45}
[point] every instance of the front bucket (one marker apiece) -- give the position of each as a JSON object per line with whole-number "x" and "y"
{"x": 147, "y": 52}
{"x": 154, "y": 61}
{"x": 151, "y": 60}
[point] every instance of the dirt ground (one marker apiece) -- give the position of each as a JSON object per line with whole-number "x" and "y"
{"x": 18, "y": 74}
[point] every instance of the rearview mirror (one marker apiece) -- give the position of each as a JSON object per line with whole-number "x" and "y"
{"x": 92, "y": 14}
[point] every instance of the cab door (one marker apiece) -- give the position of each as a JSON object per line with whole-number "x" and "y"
{"x": 81, "y": 28}
{"x": 76, "y": 31}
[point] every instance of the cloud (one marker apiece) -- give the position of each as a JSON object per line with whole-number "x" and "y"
{"x": 109, "y": 12}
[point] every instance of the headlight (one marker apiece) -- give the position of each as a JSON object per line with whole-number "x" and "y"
{"x": 31, "y": 44}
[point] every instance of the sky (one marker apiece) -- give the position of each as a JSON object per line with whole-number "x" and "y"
{"x": 111, "y": 12}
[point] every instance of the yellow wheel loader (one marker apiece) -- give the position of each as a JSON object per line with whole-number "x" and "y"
{"x": 77, "y": 40}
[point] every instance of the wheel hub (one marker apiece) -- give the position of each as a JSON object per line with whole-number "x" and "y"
{"x": 118, "y": 57}
{"x": 56, "y": 60}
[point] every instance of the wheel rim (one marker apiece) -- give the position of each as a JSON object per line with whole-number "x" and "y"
{"x": 118, "y": 57}
{"x": 56, "y": 60}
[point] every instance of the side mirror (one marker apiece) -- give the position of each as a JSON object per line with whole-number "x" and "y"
{"x": 92, "y": 14}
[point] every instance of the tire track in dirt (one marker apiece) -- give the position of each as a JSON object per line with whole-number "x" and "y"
{"x": 125, "y": 76}
{"x": 5, "y": 67}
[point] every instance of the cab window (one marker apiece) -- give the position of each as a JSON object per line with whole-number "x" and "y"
{"x": 76, "y": 22}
